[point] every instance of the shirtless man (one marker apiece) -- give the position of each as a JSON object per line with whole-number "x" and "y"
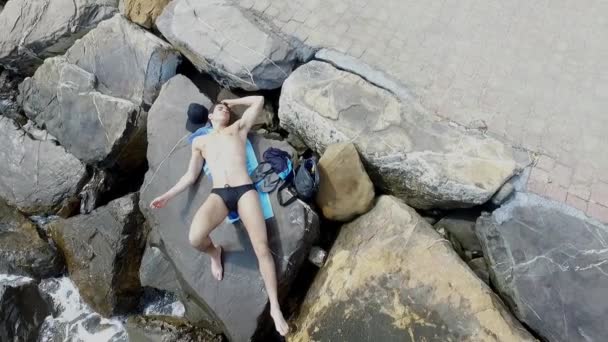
{"x": 224, "y": 151}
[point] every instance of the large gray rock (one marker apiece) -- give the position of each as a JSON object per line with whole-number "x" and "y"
{"x": 103, "y": 253}
{"x": 94, "y": 127}
{"x": 391, "y": 277}
{"x": 237, "y": 304}
{"x": 35, "y": 30}
{"x": 409, "y": 153}
{"x": 22, "y": 251}
{"x": 237, "y": 49}
{"x": 90, "y": 98}
{"x": 22, "y": 309}
{"x": 36, "y": 175}
{"x": 550, "y": 263}
{"x": 128, "y": 61}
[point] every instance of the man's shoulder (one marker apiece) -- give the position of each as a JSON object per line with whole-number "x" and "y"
{"x": 200, "y": 141}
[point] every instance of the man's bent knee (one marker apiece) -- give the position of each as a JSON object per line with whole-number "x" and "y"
{"x": 198, "y": 239}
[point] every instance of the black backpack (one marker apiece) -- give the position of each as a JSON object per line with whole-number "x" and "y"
{"x": 305, "y": 183}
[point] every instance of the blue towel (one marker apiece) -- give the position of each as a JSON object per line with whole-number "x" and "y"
{"x": 252, "y": 163}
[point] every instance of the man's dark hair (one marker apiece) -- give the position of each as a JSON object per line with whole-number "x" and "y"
{"x": 220, "y": 103}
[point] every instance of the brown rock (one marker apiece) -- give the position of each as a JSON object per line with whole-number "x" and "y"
{"x": 144, "y": 12}
{"x": 391, "y": 277}
{"x": 345, "y": 190}
{"x": 22, "y": 251}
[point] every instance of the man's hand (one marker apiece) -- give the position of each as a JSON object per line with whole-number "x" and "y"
{"x": 229, "y": 103}
{"x": 159, "y": 202}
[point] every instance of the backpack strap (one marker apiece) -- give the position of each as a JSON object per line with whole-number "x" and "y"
{"x": 290, "y": 200}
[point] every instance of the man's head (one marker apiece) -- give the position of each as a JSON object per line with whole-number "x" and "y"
{"x": 220, "y": 114}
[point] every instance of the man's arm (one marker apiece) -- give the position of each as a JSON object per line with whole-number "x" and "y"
{"x": 194, "y": 170}
{"x": 255, "y": 105}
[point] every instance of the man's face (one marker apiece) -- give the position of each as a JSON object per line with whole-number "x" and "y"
{"x": 221, "y": 113}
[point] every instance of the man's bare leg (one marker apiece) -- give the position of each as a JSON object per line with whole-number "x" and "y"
{"x": 251, "y": 214}
{"x": 206, "y": 219}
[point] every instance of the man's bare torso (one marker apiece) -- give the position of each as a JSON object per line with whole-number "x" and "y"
{"x": 224, "y": 153}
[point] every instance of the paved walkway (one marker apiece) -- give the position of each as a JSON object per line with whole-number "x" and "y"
{"x": 535, "y": 71}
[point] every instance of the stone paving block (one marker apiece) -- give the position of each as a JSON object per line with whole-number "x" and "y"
{"x": 340, "y": 28}
{"x": 582, "y": 174}
{"x": 246, "y": 4}
{"x": 536, "y": 186}
{"x": 301, "y": 33}
{"x": 312, "y": 22}
{"x": 599, "y": 193}
{"x": 556, "y": 192}
{"x": 598, "y": 211}
{"x": 561, "y": 174}
{"x": 545, "y": 163}
{"x": 581, "y": 190}
{"x": 261, "y": 5}
{"x": 540, "y": 176}
{"x": 272, "y": 12}
{"x": 301, "y": 14}
{"x": 284, "y": 16}
{"x": 356, "y": 50}
{"x": 291, "y": 27}
{"x": 576, "y": 202}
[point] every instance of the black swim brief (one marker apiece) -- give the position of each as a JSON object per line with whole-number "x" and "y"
{"x": 231, "y": 195}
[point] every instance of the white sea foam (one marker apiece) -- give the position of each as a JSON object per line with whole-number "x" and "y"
{"x": 74, "y": 321}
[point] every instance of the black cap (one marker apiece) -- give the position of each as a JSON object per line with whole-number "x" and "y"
{"x": 197, "y": 116}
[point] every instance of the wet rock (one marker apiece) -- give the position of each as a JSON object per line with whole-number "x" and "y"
{"x": 237, "y": 304}
{"x": 22, "y": 309}
{"x": 143, "y": 12}
{"x": 90, "y": 98}
{"x": 345, "y": 190}
{"x": 407, "y": 152}
{"x": 460, "y": 229}
{"x": 36, "y": 175}
{"x": 22, "y": 251}
{"x": 103, "y": 253}
{"x": 549, "y": 262}
{"x": 167, "y": 329}
{"x": 35, "y": 30}
{"x": 390, "y": 277}
{"x": 246, "y": 54}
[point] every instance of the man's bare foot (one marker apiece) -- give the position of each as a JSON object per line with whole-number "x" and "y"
{"x": 216, "y": 263}
{"x": 279, "y": 321}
